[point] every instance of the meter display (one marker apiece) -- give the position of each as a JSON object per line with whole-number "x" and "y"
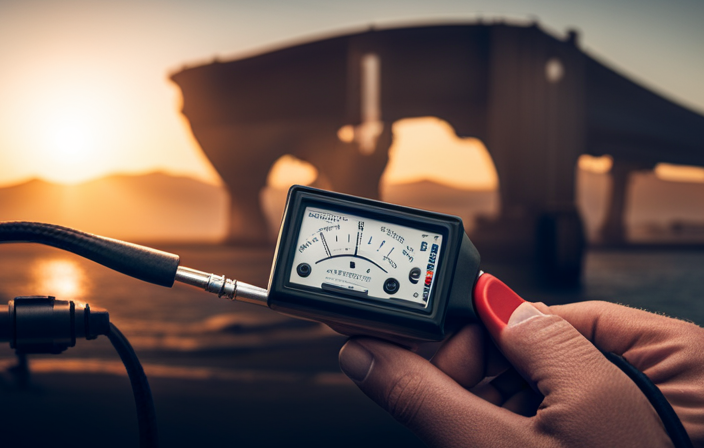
{"x": 365, "y": 258}
{"x": 371, "y": 267}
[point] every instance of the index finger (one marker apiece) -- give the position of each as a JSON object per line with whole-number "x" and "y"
{"x": 469, "y": 356}
{"x": 431, "y": 404}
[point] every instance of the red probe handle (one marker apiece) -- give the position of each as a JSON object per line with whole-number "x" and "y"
{"x": 494, "y": 302}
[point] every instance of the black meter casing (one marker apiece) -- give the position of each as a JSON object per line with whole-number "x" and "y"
{"x": 450, "y": 303}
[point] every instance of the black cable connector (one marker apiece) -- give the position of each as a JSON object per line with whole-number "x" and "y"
{"x": 42, "y": 324}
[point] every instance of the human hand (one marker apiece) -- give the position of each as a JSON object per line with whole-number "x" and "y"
{"x": 587, "y": 400}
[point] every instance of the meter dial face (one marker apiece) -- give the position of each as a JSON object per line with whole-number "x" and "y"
{"x": 365, "y": 258}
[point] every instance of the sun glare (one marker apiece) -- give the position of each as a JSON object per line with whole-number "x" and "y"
{"x": 71, "y": 123}
{"x": 69, "y": 139}
{"x": 68, "y": 143}
{"x": 72, "y": 139}
{"x": 63, "y": 279}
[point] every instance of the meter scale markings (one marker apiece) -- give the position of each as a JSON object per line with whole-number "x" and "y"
{"x": 352, "y": 256}
{"x": 349, "y": 253}
{"x": 345, "y": 247}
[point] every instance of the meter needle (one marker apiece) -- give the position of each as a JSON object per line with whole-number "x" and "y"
{"x": 325, "y": 244}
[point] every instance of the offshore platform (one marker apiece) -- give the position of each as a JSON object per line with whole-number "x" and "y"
{"x": 537, "y": 102}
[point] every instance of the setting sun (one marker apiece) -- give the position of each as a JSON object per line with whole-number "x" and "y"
{"x": 70, "y": 127}
{"x": 70, "y": 138}
{"x": 69, "y": 143}
{"x": 79, "y": 103}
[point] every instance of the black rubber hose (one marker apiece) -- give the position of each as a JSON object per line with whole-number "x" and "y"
{"x": 144, "y": 263}
{"x": 146, "y": 414}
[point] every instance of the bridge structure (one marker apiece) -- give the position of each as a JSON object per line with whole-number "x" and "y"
{"x": 538, "y": 103}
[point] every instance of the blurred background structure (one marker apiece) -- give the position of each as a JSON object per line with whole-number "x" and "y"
{"x": 86, "y": 95}
{"x": 538, "y": 103}
{"x": 517, "y": 123}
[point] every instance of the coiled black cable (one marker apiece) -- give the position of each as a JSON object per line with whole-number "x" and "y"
{"x": 670, "y": 420}
{"x": 146, "y": 414}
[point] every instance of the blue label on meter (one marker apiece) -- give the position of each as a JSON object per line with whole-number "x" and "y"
{"x": 430, "y": 269}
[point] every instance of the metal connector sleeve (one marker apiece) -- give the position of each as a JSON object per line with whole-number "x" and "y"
{"x": 222, "y": 286}
{"x": 244, "y": 292}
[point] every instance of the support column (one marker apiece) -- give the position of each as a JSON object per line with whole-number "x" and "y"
{"x": 613, "y": 231}
{"x": 351, "y": 171}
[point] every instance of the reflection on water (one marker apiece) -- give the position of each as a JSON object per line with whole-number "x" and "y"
{"x": 63, "y": 277}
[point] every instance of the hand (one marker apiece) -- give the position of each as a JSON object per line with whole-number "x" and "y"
{"x": 583, "y": 399}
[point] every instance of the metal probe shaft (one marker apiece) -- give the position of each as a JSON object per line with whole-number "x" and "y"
{"x": 222, "y": 286}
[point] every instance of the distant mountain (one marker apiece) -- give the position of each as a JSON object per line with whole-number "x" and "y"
{"x": 160, "y": 207}
{"x": 150, "y": 207}
{"x": 665, "y": 211}
{"x": 425, "y": 194}
{"x": 429, "y": 195}
{"x": 657, "y": 201}
{"x": 656, "y": 210}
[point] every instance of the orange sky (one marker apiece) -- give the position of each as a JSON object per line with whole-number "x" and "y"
{"x": 85, "y": 91}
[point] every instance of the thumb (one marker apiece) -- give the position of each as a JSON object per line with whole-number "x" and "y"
{"x": 544, "y": 348}
{"x": 550, "y": 353}
{"x": 426, "y": 400}
{"x": 582, "y": 389}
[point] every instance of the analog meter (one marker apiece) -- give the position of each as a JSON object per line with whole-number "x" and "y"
{"x": 376, "y": 267}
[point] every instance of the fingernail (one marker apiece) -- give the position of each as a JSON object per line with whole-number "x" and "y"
{"x": 524, "y": 312}
{"x": 355, "y": 361}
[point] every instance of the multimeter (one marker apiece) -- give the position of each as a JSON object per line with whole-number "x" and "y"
{"x": 366, "y": 267}
{"x": 376, "y": 267}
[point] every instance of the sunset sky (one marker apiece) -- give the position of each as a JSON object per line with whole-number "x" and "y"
{"x": 84, "y": 87}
